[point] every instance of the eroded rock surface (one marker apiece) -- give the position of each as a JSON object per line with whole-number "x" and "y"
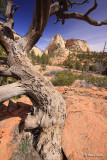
{"x": 85, "y": 133}
{"x": 85, "y": 130}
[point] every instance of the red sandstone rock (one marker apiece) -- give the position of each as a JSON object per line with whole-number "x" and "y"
{"x": 85, "y": 130}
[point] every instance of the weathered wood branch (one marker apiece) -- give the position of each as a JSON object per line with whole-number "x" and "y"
{"x": 56, "y": 10}
{"x": 3, "y": 19}
{"x": 80, "y": 16}
{"x": 91, "y": 9}
{"x": 39, "y": 21}
{"x": 14, "y": 10}
{"x": 77, "y": 3}
{"x": 5, "y": 42}
{"x": 11, "y": 90}
{"x": 8, "y": 16}
{"x": 3, "y": 60}
{"x": 7, "y": 28}
{"x": 5, "y": 72}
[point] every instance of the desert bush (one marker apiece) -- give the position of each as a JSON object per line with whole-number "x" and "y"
{"x": 85, "y": 66}
{"x": 99, "y": 81}
{"x": 33, "y": 57}
{"x": 63, "y": 78}
{"x": 67, "y": 78}
{"x": 43, "y": 67}
{"x": 44, "y": 59}
{"x": 104, "y": 63}
{"x": 78, "y": 65}
{"x": 2, "y": 52}
{"x": 93, "y": 68}
{"x": 16, "y": 38}
{"x": 105, "y": 72}
{"x": 6, "y": 80}
{"x": 69, "y": 62}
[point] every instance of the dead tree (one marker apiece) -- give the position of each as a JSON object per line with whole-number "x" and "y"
{"x": 49, "y": 106}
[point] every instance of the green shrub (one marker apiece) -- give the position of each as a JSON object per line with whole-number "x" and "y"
{"x": 44, "y": 59}
{"x": 99, "y": 81}
{"x": 78, "y": 65}
{"x": 33, "y": 57}
{"x": 105, "y": 72}
{"x": 2, "y": 52}
{"x": 16, "y": 38}
{"x": 43, "y": 67}
{"x": 85, "y": 67}
{"x": 67, "y": 78}
{"x": 93, "y": 68}
{"x": 63, "y": 78}
{"x": 6, "y": 80}
{"x": 69, "y": 63}
{"x": 105, "y": 63}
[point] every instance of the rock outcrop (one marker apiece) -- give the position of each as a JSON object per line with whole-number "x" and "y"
{"x": 58, "y": 44}
{"x": 77, "y": 45}
{"x": 37, "y": 51}
{"x": 59, "y": 48}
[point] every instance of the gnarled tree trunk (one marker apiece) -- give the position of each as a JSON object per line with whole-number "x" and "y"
{"x": 49, "y": 107}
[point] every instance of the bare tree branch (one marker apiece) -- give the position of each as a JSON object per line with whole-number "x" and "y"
{"x": 5, "y": 72}
{"x": 2, "y": 19}
{"x": 14, "y": 10}
{"x": 56, "y": 10}
{"x": 8, "y": 14}
{"x": 3, "y": 60}
{"x": 92, "y": 9}
{"x": 11, "y": 90}
{"x": 4, "y": 42}
{"x": 39, "y": 21}
{"x": 77, "y": 3}
{"x": 80, "y": 16}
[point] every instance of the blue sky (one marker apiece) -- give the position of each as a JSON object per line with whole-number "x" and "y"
{"x": 95, "y": 36}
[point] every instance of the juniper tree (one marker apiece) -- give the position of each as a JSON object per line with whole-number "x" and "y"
{"x": 49, "y": 107}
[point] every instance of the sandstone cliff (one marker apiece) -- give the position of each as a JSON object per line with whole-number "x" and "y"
{"x": 59, "y": 48}
{"x": 58, "y": 44}
{"x": 77, "y": 45}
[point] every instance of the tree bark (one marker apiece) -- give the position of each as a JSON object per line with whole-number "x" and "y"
{"x": 49, "y": 106}
{"x": 11, "y": 90}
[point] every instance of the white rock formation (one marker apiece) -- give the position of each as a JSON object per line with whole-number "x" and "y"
{"x": 58, "y": 44}
{"x": 77, "y": 45}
